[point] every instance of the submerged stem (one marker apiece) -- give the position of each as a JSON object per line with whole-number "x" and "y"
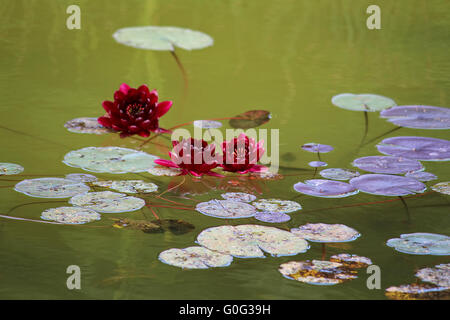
{"x": 382, "y": 135}
{"x": 324, "y": 251}
{"x": 183, "y": 71}
{"x": 406, "y": 208}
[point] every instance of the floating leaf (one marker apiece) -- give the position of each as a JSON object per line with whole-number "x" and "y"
{"x": 238, "y": 196}
{"x": 164, "y": 171}
{"x": 317, "y": 164}
{"x": 316, "y": 147}
{"x": 175, "y": 226}
{"x": 195, "y": 258}
{"x": 107, "y": 202}
{"x": 134, "y": 186}
{"x": 362, "y": 102}
{"x": 86, "y": 125}
{"x": 70, "y": 215}
{"x": 110, "y": 159}
{"x": 387, "y": 164}
{"x": 351, "y": 261}
{"x": 419, "y": 148}
{"x": 317, "y": 272}
{"x": 421, "y": 176}
{"x": 421, "y": 243}
{"x": 387, "y": 185}
{"x": 338, "y": 174}
{"x": 51, "y": 188}
{"x": 272, "y": 217}
{"x": 251, "y": 241}
{"x": 418, "y": 117}
{"x": 266, "y": 175}
{"x": 10, "y": 168}
{"x": 322, "y": 232}
{"x": 162, "y": 38}
{"x": 442, "y": 187}
{"x": 207, "y": 124}
{"x": 418, "y": 292}
{"x": 325, "y": 188}
{"x": 277, "y": 205}
{"x": 250, "y": 119}
{"x": 103, "y": 183}
{"x": 81, "y": 177}
{"x": 226, "y": 209}
{"x": 439, "y": 275}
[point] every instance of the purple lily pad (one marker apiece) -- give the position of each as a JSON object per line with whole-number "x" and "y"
{"x": 387, "y": 185}
{"x": 418, "y": 148}
{"x": 317, "y": 164}
{"x": 325, "y": 188}
{"x": 317, "y": 147}
{"x": 421, "y": 176}
{"x": 387, "y": 164}
{"x": 418, "y": 117}
{"x": 272, "y": 217}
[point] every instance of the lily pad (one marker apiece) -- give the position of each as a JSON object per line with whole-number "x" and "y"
{"x": 251, "y": 241}
{"x": 317, "y": 164}
{"x": 322, "y": 232}
{"x": 175, "y": 226}
{"x": 421, "y": 243}
{"x": 317, "y": 147}
{"x": 207, "y": 124}
{"x": 51, "y": 188}
{"x": 338, "y": 174}
{"x": 317, "y": 272}
{"x": 86, "y": 125}
{"x": 442, "y": 187}
{"x": 107, "y": 202}
{"x": 421, "y": 176}
{"x": 277, "y": 205}
{"x": 10, "y": 169}
{"x": 226, "y": 209}
{"x": 272, "y": 217}
{"x": 351, "y": 261}
{"x": 362, "y": 102}
{"x": 238, "y": 196}
{"x": 195, "y": 258}
{"x": 387, "y": 185}
{"x": 325, "y": 188}
{"x": 110, "y": 159}
{"x": 134, "y": 186}
{"x": 419, "y": 148}
{"x": 164, "y": 171}
{"x": 418, "y": 117}
{"x": 417, "y": 292}
{"x": 250, "y": 119}
{"x": 81, "y": 177}
{"x": 103, "y": 183}
{"x": 70, "y": 215}
{"x": 387, "y": 164}
{"x": 439, "y": 275}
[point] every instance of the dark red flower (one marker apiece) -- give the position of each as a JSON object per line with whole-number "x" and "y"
{"x": 134, "y": 111}
{"x": 193, "y": 156}
{"x": 241, "y": 155}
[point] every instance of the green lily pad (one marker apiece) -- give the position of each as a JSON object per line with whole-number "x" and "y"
{"x": 362, "y": 102}
{"x": 70, "y": 215}
{"x": 164, "y": 171}
{"x": 81, "y": 177}
{"x": 195, "y": 258}
{"x": 10, "y": 169}
{"x": 439, "y": 275}
{"x": 107, "y": 202}
{"x": 110, "y": 159}
{"x": 250, "y": 119}
{"x": 162, "y": 38}
{"x": 322, "y": 232}
{"x": 134, "y": 186}
{"x": 442, "y": 187}
{"x": 421, "y": 243}
{"x": 226, "y": 209}
{"x": 51, "y": 188}
{"x": 207, "y": 124}
{"x": 276, "y": 205}
{"x": 351, "y": 261}
{"x": 418, "y": 292}
{"x": 86, "y": 125}
{"x": 238, "y": 196}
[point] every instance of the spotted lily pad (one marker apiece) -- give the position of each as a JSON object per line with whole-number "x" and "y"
{"x": 70, "y": 215}
{"x": 325, "y": 188}
{"x": 317, "y": 164}
{"x": 107, "y": 202}
{"x": 207, "y": 124}
{"x": 277, "y": 205}
{"x": 387, "y": 185}
{"x": 51, "y": 188}
{"x": 421, "y": 176}
{"x": 10, "y": 169}
{"x": 421, "y": 243}
{"x": 251, "y": 241}
{"x": 272, "y": 217}
{"x": 195, "y": 258}
{"x": 238, "y": 196}
{"x": 419, "y": 148}
{"x": 418, "y": 117}
{"x": 387, "y": 164}
{"x": 250, "y": 119}
{"x": 418, "y": 292}
{"x": 439, "y": 275}
{"x": 110, "y": 159}
{"x": 162, "y": 38}
{"x": 103, "y": 183}
{"x": 338, "y": 174}
{"x": 164, "y": 171}
{"x": 134, "y": 186}
{"x": 81, "y": 177}
{"x": 317, "y": 147}
{"x": 442, "y": 187}
{"x": 226, "y": 209}
{"x": 362, "y": 102}
{"x": 86, "y": 125}
{"x": 317, "y": 272}
{"x": 322, "y": 232}
{"x": 351, "y": 261}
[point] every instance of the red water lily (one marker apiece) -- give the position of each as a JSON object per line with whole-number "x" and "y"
{"x": 241, "y": 155}
{"x": 192, "y": 156}
{"x": 134, "y": 111}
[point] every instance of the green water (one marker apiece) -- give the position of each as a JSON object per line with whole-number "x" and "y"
{"x": 289, "y": 57}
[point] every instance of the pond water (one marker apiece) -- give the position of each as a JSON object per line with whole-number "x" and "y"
{"x": 289, "y": 57}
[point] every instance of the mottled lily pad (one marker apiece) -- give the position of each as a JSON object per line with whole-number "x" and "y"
{"x": 387, "y": 164}
{"x": 317, "y": 164}
{"x": 277, "y": 205}
{"x": 419, "y": 148}
{"x": 317, "y": 147}
{"x": 325, "y": 188}
{"x": 442, "y": 187}
{"x": 195, "y": 258}
{"x": 362, "y": 102}
{"x": 86, "y": 125}
{"x": 439, "y": 275}
{"x": 250, "y": 119}
{"x": 251, "y": 241}
{"x": 317, "y": 272}
{"x": 322, "y": 232}
{"x": 226, "y": 209}
{"x": 421, "y": 176}
{"x": 207, "y": 124}
{"x": 418, "y": 117}
{"x": 110, "y": 159}
{"x": 10, "y": 169}
{"x": 338, "y": 174}
{"x": 107, "y": 202}
{"x": 51, "y": 188}
{"x": 387, "y": 185}
{"x": 421, "y": 243}
{"x": 70, "y": 215}
{"x": 351, "y": 261}
{"x": 134, "y": 186}
{"x": 238, "y": 196}
{"x": 418, "y": 292}
{"x": 272, "y": 217}
{"x": 81, "y": 177}
{"x": 102, "y": 183}
{"x": 164, "y": 171}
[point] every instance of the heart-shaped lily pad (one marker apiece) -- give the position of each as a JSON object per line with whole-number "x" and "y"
{"x": 387, "y": 185}
{"x": 134, "y": 186}
{"x": 387, "y": 164}
{"x": 272, "y": 217}
{"x": 195, "y": 258}
{"x": 421, "y": 243}
{"x": 322, "y": 232}
{"x": 81, "y": 177}
{"x": 317, "y": 164}
{"x": 418, "y": 117}
{"x": 316, "y": 147}
{"x": 362, "y": 102}
{"x": 226, "y": 209}
{"x": 86, "y": 125}
{"x": 418, "y": 292}
{"x": 51, "y": 188}
{"x": 10, "y": 169}
{"x": 325, "y": 188}
{"x": 421, "y": 176}
{"x": 277, "y": 205}
{"x": 338, "y": 174}
{"x": 107, "y": 202}
{"x": 442, "y": 187}
{"x": 439, "y": 275}
{"x": 351, "y": 261}
{"x": 251, "y": 241}
{"x": 70, "y": 215}
{"x": 164, "y": 171}
{"x": 250, "y": 119}
{"x": 419, "y": 148}
{"x": 238, "y": 196}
